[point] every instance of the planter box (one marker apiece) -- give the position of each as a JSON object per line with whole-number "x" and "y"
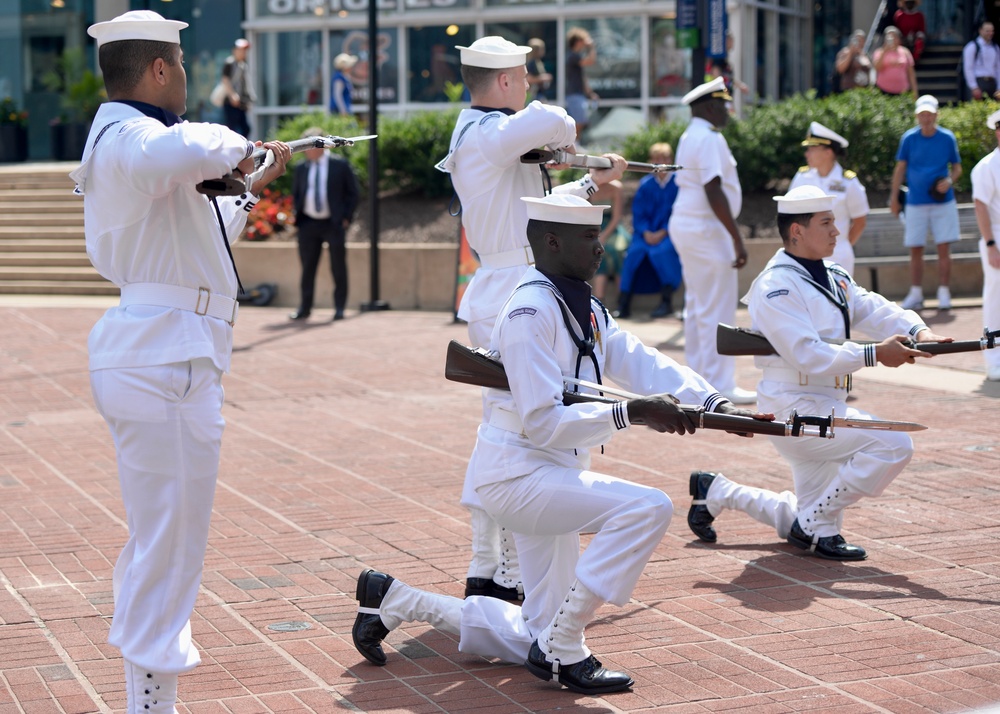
{"x": 13, "y": 143}
{"x": 69, "y": 140}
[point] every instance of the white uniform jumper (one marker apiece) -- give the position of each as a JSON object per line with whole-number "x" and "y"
{"x": 484, "y": 161}
{"x": 850, "y": 201}
{"x": 813, "y": 377}
{"x": 711, "y": 287}
{"x": 986, "y": 188}
{"x": 532, "y": 462}
{"x": 157, "y": 359}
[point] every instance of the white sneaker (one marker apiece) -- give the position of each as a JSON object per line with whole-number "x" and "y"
{"x": 740, "y": 396}
{"x": 944, "y": 298}
{"x": 914, "y": 300}
{"x": 993, "y": 374}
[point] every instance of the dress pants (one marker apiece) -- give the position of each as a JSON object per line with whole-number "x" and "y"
{"x": 312, "y": 235}
{"x": 548, "y": 509}
{"x": 711, "y": 293}
{"x": 166, "y": 422}
{"x": 991, "y": 305}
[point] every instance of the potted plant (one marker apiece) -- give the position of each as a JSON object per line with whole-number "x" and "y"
{"x": 82, "y": 93}
{"x": 13, "y": 131}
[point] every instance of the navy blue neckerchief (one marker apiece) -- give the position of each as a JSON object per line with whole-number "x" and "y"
{"x": 819, "y": 276}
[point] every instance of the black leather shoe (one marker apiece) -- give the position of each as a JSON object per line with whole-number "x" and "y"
{"x": 662, "y": 310}
{"x": 368, "y": 631}
{"x": 699, "y": 519}
{"x": 830, "y": 547}
{"x": 298, "y": 315}
{"x": 486, "y": 587}
{"x": 338, "y": 315}
{"x": 585, "y": 677}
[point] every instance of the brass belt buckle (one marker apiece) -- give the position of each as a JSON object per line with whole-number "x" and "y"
{"x": 199, "y": 310}
{"x": 804, "y": 377}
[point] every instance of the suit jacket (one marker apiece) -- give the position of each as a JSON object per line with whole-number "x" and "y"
{"x": 341, "y": 189}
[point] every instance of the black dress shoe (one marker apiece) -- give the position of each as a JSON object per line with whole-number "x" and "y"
{"x": 699, "y": 519}
{"x": 338, "y": 315}
{"x": 486, "y": 587}
{"x": 298, "y": 315}
{"x": 831, "y": 547}
{"x": 368, "y": 631}
{"x": 585, "y": 677}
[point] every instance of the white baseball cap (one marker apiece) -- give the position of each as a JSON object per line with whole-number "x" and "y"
{"x": 716, "y": 89}
{"x": 804, "y": 199}
{"x": 926, "y": 103}
{"x": 137, "y": 25}
{"x": 493, "y": 53}
{"x": 564, "y": 208}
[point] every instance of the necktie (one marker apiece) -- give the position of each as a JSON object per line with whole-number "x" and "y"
{"x": 318, "y": 191}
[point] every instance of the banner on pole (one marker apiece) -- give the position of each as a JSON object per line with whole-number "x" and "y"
{"x": 466, "y": 267}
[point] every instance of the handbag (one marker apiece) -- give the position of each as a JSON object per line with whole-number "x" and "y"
{"x": 218, "y": 95}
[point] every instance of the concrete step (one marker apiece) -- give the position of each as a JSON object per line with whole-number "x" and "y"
{"x": 47, "y": 274}
{"x": 53, "y": 232}
{"x": 43, "y": 245}
{"x": 45, "y": 220}
{"x": 8, "y": 206}
{"x": 48, "y": 193}
{"x": 45, "y": 287}
{"x": 49, "y": 259}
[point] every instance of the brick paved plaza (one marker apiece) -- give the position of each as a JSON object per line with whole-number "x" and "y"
{"x": 346, "y": 447}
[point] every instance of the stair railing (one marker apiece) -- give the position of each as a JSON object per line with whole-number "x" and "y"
{"x": 871, "y": 30}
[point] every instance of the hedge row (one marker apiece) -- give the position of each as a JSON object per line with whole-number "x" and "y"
{"x": 766, "y": 144}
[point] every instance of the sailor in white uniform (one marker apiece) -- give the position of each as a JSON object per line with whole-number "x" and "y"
{"x": 986, "y": 195}
{"x": 798, "y": 302}
{"x": 157, "y": 359}
{"x": 703, "y": 230}
{"x": 533, "y": 467}
{"x": 824, "y": 148}
{"x": 484, "y": 162}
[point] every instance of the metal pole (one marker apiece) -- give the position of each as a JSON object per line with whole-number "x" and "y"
{"x": 373, "y": 175}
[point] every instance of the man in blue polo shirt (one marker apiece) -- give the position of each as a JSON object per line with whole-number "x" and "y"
{"x": 928, "y": 159}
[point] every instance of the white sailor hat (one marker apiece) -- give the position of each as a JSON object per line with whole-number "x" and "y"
{"x": 804, "y": 199}
{"x": 241, "y": 43}
{"x": 564, "y": 208}
{"x": 715, "y": 89}
{"x": 137, "y": 25}
{"x": 819, "y": 135}
{"x": 926, "y": 103}
{"x": 993, "y": 120}
{"x": 493, "y": 53}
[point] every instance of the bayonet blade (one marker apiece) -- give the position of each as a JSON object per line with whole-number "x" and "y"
{"x": 877, "y": 424}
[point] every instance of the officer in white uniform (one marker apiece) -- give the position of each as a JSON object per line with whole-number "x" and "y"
{"x": 704, "y": 232}
{"x": 157, "y": 359}
{"x": 986, "y": 194}
{"x": 485, "y": 167}
{"x": 850, "y": 200}
{"x": 533, "y": 467}
{"x": 797, "y": 302}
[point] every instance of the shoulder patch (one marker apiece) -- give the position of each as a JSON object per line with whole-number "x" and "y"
{"x": 128, "y": 125}
{"x": 489, "y": 117}
{"x": 848, "y": 174}
{"x": 521, "y": 311}
{"x": 803, "y": 169}
{"x": 777, "y": 293}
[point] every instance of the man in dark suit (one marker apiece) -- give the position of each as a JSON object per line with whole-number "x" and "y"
{"x": 325, "y": 192}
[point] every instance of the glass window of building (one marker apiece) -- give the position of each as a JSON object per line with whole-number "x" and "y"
{"x": 617, "y": 72}
{"x": 669, "y": 65}
{"x": 435, "y": 64}
{"x": 543, "y": 59}
{"x": 355, "y": 42}
{"x": 292, "y": 74}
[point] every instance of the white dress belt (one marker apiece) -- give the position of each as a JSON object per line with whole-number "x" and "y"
{"x": 508, "y": 258}
{"x": 793, "y": 376}
{"x": 201, "y": 301}
{"x": 506, "y": 420}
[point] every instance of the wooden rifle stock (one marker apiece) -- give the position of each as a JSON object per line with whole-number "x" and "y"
{"x": 733, "y": 341}
{"x": 477, "y": 366}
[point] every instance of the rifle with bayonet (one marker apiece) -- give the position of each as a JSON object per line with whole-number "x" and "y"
{"x": 735, "y": 341}
{"x": 481, "y": 368}
{"x": 585, "y": 161}
{"x": 233, "y": 185}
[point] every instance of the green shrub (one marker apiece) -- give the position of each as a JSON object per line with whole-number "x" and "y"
{"x": 975, "y": 139}
{"x": 331, "y": 124}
